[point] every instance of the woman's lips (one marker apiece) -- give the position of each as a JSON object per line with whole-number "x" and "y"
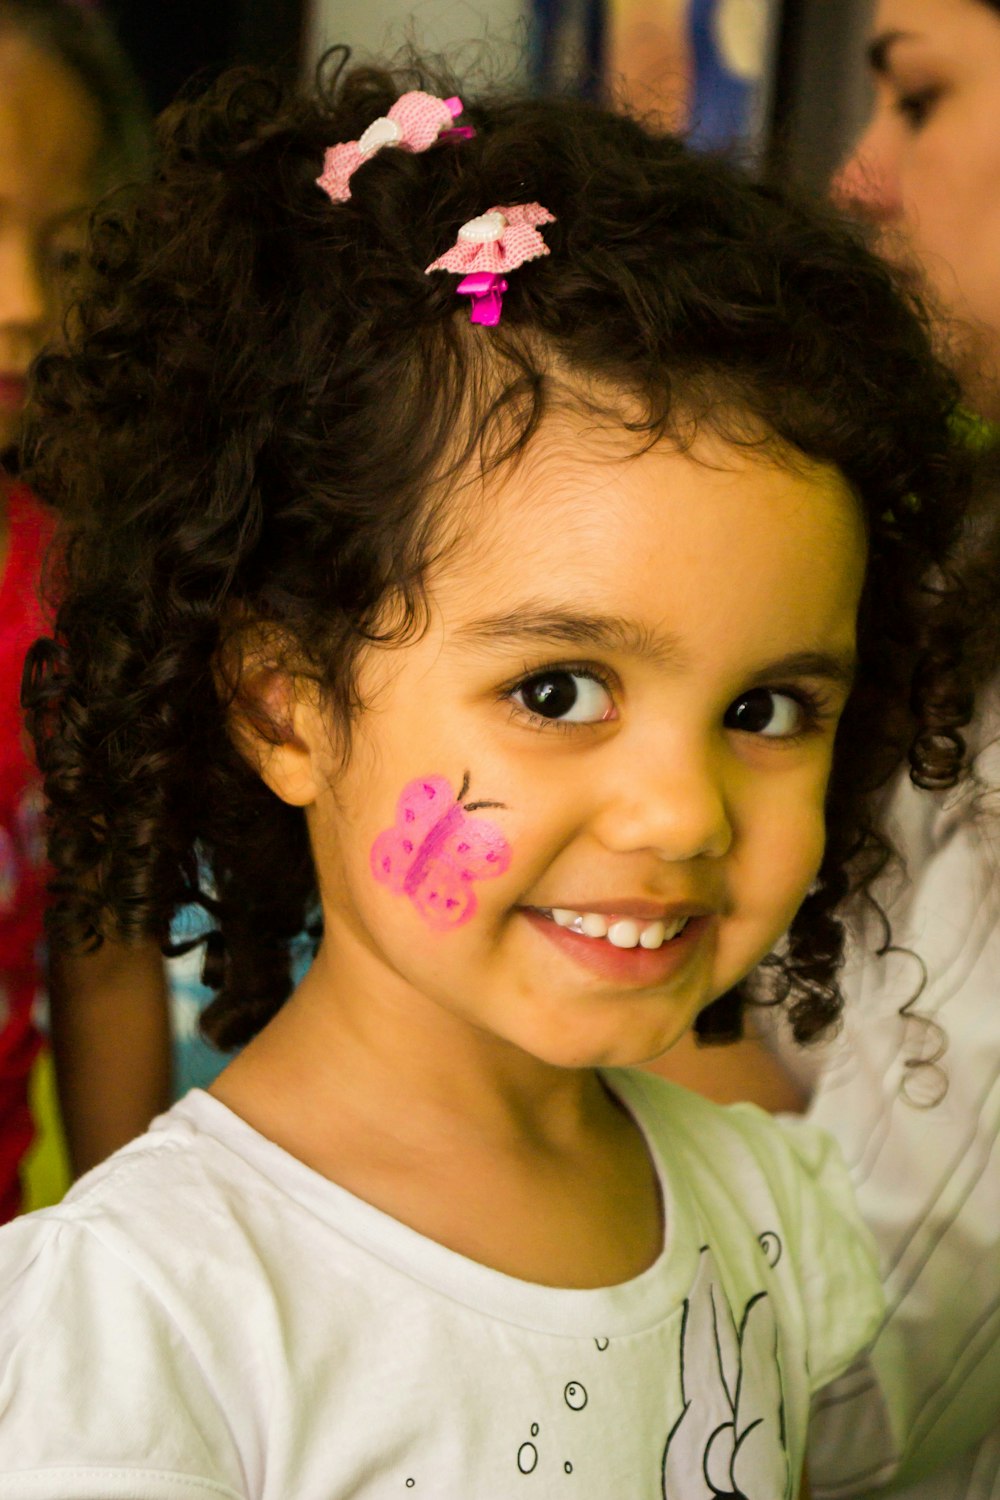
{"x": 637, "y": 965}
{"x": 13, "y": 391}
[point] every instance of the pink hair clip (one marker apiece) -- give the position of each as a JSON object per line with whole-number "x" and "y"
{"x": 415, "y": 122}
{"x": 487, "y": 248}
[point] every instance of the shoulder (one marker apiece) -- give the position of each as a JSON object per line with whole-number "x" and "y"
{"x": 740, "y": 1149}
{"x": 146, "y": 1202}
{"x": 86, "y": 1333}
{"x": 177, "y": 1202}
{"x": 687, "y": 1121}
{"x": 118, "y": 1307}
{"x": 757, "y": 1186}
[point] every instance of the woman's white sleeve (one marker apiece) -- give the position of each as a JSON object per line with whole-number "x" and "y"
{"x": 922, "y": 1146}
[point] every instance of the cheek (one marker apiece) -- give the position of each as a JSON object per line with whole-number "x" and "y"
{"x": 975, "y": 245}
{"x": 798, "y": 858}
{"x": 952, "y": 196}
{"x": 438, "y": 853}
{"x": 777, "y": 863}
{"x": 786, "y": 850}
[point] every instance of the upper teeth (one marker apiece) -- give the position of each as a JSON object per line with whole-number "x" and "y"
{"x": 622, "y": 932}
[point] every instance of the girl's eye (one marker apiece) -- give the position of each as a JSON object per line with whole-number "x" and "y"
{"x": 766, "y": 712}
{"x": 569, "y": 697}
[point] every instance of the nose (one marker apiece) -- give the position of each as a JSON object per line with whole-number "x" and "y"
{"x": 867, "y": 184}
{"x": 24, "y": 302}
{"x": 673, "y": 801}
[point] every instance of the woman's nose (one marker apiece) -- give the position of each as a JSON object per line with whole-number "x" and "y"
{"x": 867, "y": 184}
{"x": 675, "y": 805}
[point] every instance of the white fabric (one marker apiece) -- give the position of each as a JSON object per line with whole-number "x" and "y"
{"x": 204, "y": 1316}
{"x": 927, "y": 1178}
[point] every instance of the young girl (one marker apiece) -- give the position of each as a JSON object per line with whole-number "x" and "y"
{"x": 481, "y": 520}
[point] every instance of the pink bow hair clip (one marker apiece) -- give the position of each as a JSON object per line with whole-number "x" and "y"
{"x": 415, "y": 122}
{"x": 487, "y": 249}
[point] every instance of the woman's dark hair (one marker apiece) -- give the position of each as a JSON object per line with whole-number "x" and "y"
{"x": 76, "y": 35}
{"x": 265, "y": 388}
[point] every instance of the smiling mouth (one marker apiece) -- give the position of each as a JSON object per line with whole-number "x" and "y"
{"x": 620, "y": 932}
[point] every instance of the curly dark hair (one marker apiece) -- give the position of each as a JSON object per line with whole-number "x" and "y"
{"x": 260, "y": 392}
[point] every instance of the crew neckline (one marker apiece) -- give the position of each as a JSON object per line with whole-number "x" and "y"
{"x": 612, "y": 1311}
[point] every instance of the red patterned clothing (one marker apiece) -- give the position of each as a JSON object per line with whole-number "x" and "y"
{"x": 22, "y": 875}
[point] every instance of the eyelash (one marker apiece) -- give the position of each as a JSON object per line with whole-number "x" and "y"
{"x": 816, "y": 712}
{"x": 538, "y": 721}
{"x": 916, "y": 107}
{"x": 816, "y": 707}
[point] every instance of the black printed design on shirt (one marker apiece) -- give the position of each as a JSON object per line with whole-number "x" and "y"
{"x": 729, "y": 1441}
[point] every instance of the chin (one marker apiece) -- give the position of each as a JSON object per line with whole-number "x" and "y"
{"x": 618, "y": 1048}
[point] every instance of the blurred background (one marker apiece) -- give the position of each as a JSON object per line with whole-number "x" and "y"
{"x": 782, "y": 78}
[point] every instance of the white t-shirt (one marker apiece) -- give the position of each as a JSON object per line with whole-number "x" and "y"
{"x": 205, "y": 1316}
{"x": 927, "y": 1175}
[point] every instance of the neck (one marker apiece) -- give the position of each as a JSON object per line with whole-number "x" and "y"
{"x": 532, "y": 1169}
{"x": 403, "y": 1070}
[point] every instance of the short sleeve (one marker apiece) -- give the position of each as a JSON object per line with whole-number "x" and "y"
{"x": 757, "y": 1183}
{"x": 834, "y": 1255}
{"x": 101, "y": 1395}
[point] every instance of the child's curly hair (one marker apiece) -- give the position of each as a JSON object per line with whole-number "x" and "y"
{"x": 262, "y": 388}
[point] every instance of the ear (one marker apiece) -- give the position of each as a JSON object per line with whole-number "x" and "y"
{"x": 277, "y": 725}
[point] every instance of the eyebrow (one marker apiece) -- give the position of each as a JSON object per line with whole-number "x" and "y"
{"x": 837, "y": 667}
{"x": 880, "y": 47}
{"x": 565, "y": 628}
{"x": 662, "y": 648}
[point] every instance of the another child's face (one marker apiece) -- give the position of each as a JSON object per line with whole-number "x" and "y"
{"x": 49, "y": 134}
{"x": 631, "y": 681}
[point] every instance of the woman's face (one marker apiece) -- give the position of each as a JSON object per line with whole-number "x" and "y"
{"x": 927, "y": 168}
{"x": 49, "y": 139}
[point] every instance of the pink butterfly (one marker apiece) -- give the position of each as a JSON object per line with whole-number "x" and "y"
{"x": 435, "y": 851}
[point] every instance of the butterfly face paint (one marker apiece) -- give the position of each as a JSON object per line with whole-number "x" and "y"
{"x": 436, "y": 850}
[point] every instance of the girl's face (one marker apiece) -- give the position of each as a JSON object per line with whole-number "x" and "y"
{"x": 49, "y": 137}
{"x": 927, "y": 168}
{"x": 590, "y": 798}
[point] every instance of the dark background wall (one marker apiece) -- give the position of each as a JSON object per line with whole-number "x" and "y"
{"x": 171, "y": 43}
{"x": 820, "y": 91}
{"x": 817, "y": 91}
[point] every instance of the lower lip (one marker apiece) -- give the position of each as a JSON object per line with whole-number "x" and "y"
{"x": 13, "y": 392}
{"x": 632, "y": 966}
